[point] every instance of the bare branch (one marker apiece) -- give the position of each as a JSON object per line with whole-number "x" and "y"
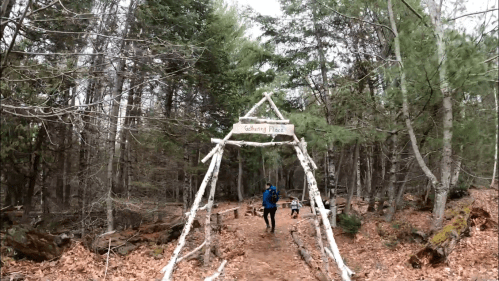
{"x": 471, "y": 14}
{"x": 415, "y": 12}
{"x": 354, "y": 18}
{"x": 18, "y": 25}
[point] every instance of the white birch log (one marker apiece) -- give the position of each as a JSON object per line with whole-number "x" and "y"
{"x": 209, "y": 155}
{"x": 199, "y": 209}
{"x": 168, "y": 269}
{"x": 258, "y": 120}
{"x": 211, "y": 198}
{"x": 215, "y": 149}
{"x": 328, "y": 212}
{"x": 332, "y": 257}
{"x": 494, "y": 173}
{"x": 314, "y": 193}
{"x": 278, "y": 113}
{"x": 304, "y": 186}
{"x": 228, "y": 210}
{"x": 274, "y": 107}
{"x": 186, "y": 256}
{"x": 303, "y": 147}
{"x": 319, "y": 239}
{"x": 219, "y": 271}
{"x": 256, "y": 144}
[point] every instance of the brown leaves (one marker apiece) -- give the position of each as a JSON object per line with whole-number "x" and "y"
{"x": 274, "y": 257}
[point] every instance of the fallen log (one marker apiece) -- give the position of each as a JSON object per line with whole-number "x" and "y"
{"x": 36, "y": 245}
{"x": 307, "y": 258}
{"x": 442, "y": 243}
{"x": 125, "y": 241}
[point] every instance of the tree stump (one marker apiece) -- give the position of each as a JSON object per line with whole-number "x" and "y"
{"x": 219, "y": 221}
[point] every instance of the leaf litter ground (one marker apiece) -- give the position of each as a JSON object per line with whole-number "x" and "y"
{"x": 379, "y": 251}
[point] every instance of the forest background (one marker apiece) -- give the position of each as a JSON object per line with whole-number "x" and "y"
{"x": 109, "y": 103}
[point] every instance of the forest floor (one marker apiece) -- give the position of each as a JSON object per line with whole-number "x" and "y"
{"x": 379, "y": 251}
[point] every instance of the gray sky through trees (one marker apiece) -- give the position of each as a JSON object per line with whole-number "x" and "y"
{"x": 469, "y": 23}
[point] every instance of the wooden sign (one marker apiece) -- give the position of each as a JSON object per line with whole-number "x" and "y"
{"x": 264, "y": 129}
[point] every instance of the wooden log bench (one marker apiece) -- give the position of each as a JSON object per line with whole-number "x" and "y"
{"x": 222, "y": 213}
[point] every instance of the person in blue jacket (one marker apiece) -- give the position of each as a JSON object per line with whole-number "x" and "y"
{"x": 269, "y": 207}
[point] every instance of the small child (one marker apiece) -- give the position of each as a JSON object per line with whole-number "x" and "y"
{"x": 295, "y": 207}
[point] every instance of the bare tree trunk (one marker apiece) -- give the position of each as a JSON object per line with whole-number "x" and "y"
{"x": 442, "y": 191}
{"x": 263, "y": 167}
{"x": 240, "y": 178}
{"x": 124, "y": 140}
{"x": 354, "y": 178}
{"x": 401, "y": 190}
{"x": 83, "y": 164}
{"x": 326, "y": 176}
{"x": 369, "y": 170}
{"x": 5, "y": 55}
{"x": 113, "y": 121}
{"x": 393, "y": 178}
{"x": 494, "y": 173}
{"x": 358, "y": 183}
{"x": 33, "y": 174}
{"x": 68, "y": 156}
{"x": 43, "y": 183}
{"x": 61, "y": 169}
{"x": 209, "y": 206}
{"x": 333, "y": 194}
{"x": 5, "y": 14}
{"x": 331, "y": 171}
{"x": 187, "y": 176}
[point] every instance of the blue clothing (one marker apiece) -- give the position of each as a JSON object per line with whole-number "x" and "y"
{"x": 267, "y": 203}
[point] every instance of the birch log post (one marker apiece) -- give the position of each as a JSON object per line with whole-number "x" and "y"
{"x": 319, "y": 238}
{"x": 230, "y": 133}
{"x": 497, "y": 142}
{"x": 303, "y": 146}
{"x": 168, "y": 269}
{"x": 211, "y": 198}
{"x": 258, "y": 120}
{"x": 278, "y": 113}
{"x": 304, "y": 187}
{"x": 219, "y": 271}
{"x": 314, "y": 193}
{"x": 332, "y": 257}
{"x": 186, "y": 256}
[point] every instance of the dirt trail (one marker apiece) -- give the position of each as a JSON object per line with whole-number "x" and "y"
{"x": 268, "y": 256}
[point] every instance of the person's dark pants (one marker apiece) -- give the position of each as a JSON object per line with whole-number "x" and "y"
{"x": 295, "y": 210}
{"x": 270, "y": 211}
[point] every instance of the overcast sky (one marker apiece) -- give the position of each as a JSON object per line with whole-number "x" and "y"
{"x": 272, "y": 8}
